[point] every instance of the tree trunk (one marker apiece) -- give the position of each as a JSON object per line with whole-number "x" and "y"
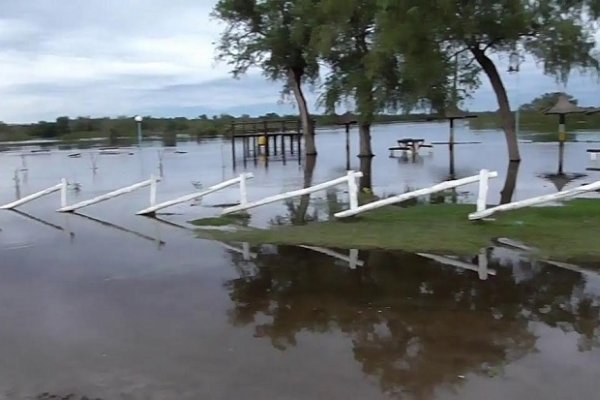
{"x": 307, "y": 125}
{"x": 508, "y": 191}
{"x": 366, "y": 182}
{"x": 506, "y": 115}
{"x": 365, "y": 141}
{"x": 299, "y": 216}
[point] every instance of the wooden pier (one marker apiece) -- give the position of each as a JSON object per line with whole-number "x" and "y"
{"x": 267, "y": 138}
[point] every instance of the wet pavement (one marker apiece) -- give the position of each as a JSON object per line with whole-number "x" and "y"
{"x": 114, "y": 306}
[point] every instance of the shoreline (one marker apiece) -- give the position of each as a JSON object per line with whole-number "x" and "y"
{"x": 567, "y": 233}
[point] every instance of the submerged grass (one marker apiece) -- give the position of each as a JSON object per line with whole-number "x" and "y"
{"x": 231, "y": 219}
{"x": 568, "y": 232}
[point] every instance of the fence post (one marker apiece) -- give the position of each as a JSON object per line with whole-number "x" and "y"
{"x": 152, "y": 190}
{"x": 352, "y": 190}
{"x": 243, "y": 190}
{"x": 482, "y": 262}
{"x": 353, "y": 258}
{"x": 63, "y": 193}
{"x": 484, "y": 177}
{"x": 246, "y": 251}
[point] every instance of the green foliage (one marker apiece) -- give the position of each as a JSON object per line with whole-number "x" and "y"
{"x": 558, "y": 34}
{"x": 433, "y": 76}
{"x": 45, "y": 130}
{"x": 272, "y": 35}
{"x": 62, "y": 126}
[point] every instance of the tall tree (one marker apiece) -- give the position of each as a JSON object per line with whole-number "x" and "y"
{"x": 343, "y": 38}
{"x": 373, "y": 71}
{"x": 63, "y": 125}
{"x": 558, "y": 34}
{"x": 274, "y": 36}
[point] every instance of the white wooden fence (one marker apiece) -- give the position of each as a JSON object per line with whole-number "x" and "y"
{"x": 62, "y": 186}
{"x": 350, "y": 179}
{"x": 482, "y": 178}
{"x": 194, "y": 196}
{"x": 116, "y": 193}
{"x": 565, "y": 194}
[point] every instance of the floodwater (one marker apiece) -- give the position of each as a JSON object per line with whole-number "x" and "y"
{"x": 114, "y": 306}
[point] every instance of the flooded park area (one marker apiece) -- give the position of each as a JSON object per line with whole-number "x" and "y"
{"x": 106, "y": 304}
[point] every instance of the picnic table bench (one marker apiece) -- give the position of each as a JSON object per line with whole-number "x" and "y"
{"x": 593, "y": 153}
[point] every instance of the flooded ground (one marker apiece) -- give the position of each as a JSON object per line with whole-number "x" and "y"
{"x": 115, "y": 306}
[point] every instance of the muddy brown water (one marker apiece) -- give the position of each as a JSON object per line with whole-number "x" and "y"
{"x": 194, "y": 319}
{"x": 114, "y": 306}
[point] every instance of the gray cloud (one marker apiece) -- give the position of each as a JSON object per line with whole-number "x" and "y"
{"x": 112, "y": 57}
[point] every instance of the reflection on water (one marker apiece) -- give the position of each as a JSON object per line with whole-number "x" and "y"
{"x": 195, "y": 319}
{"x": 415, "y": 325}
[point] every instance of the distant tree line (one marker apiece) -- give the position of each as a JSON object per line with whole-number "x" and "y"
{"x": 66, "y": 128}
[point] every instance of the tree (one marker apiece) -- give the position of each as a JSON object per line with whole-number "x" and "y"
{"x": 545, "y": 102}
{"x": 272, "y": 35}
{"x": 63, "y": 125}
{"x": 556, "y": 33}
{"x": 374, "y": 70}
{"x": 83, "y": 124}
{"x": 344, "y": 39}
{"x": 43, "y": 129}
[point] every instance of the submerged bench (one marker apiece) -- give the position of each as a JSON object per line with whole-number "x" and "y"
{"x": 404, "y": 148}
{"x": 593, "y": 153}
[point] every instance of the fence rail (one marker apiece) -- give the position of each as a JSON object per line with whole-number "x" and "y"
{"x": 62, "y": 186}
{"x": 565, "y": 194}
{"x": 194, "y": 196}
{"x": 350, "y": 179}
{"x": 116, "y": 193}
{"x": 482, "y": 178}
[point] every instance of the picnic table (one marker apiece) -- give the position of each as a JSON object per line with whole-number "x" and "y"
{"x": 410, "y": 144}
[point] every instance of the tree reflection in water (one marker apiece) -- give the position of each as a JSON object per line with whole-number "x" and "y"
{"x": 413, "y": 324}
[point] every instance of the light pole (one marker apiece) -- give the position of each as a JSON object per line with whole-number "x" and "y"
{"x": 514, "y": 66}
{"x": 138, "y": 120}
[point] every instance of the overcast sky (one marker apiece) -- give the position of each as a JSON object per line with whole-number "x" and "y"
{"x": 151, "y": 57}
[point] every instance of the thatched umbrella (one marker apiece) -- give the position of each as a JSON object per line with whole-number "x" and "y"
{"x": 562, "y": 108}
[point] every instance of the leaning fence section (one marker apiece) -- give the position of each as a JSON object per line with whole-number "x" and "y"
{"x": 115, "y": 193}
{"x": 350, "y": 179}
{"x": 563, "y": 195}
{"x": 241, "y": 180}
{"x": 482, "y": 179}
{"x": 62, "y": 187}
